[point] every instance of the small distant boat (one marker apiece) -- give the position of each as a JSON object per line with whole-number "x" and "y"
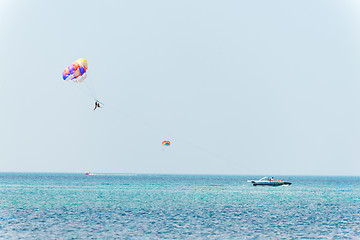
{"x": 88, "y": 173}
{"x": 265, "y": 181}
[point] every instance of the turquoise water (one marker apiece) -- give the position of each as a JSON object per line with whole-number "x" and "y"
{"x": 66, "y": 206}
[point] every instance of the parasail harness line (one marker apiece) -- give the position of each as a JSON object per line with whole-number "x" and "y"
{"x": 77, "y": 73}
{"x": 163, "y": 131}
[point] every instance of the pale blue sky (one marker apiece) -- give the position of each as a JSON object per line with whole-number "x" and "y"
{"x": 239, "y": 87}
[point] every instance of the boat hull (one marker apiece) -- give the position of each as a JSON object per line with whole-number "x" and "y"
{"x": 273, "y": 184}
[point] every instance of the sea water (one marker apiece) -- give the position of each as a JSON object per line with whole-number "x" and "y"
{"x": 76, "y": 206}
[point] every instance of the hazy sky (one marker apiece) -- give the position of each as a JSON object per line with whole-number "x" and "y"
{"x": 238, "y": 87}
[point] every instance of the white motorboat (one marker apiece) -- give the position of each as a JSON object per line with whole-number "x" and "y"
{"x": 265, "y": 181}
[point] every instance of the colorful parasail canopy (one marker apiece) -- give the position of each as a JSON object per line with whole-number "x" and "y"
{"x": 166, "y": 143}
{"x": 76, "y": 72}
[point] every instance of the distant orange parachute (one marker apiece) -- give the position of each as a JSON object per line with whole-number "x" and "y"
{"x": 166, "y": 143}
